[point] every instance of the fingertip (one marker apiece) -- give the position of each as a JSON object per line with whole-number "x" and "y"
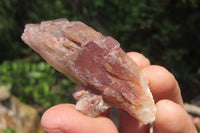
{"x": 139, "y": 59}
{"x": 55, "y": 116}
{"x": 160, "y": 75}
{"x": 172, "y": 118}
{"x": 163, "y": 84}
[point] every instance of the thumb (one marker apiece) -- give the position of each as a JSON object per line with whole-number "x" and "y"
{"x": 64, "y": 118}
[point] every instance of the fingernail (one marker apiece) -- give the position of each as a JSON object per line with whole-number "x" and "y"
{"x": 53, "y": 130}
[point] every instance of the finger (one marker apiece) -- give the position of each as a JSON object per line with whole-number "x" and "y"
{"x": 139, "y": 59}
{"x": 64, "y": 118}
{"x": 172, "y": 118}
{"x": 163, "y": 85}
{"x": 127, "y": 123}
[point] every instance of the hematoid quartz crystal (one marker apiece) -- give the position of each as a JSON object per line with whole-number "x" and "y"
{"x": 106, "y": 75}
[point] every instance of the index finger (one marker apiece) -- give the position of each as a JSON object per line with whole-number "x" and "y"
{"x": 162, "y": 85}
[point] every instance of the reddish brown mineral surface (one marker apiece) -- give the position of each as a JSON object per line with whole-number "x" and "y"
{"x": 107, "y": 76}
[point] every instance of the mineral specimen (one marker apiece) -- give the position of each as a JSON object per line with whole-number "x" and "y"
{"x": 107, "y": 76}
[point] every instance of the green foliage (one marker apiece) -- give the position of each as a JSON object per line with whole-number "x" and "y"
{"x": 10, "y": 130}
{"x": 35, "y": 82}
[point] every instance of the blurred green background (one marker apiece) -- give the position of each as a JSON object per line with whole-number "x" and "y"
{"x": 165, "y": 31}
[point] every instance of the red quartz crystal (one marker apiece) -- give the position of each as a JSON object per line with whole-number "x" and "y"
{"x": 107, "y": 76}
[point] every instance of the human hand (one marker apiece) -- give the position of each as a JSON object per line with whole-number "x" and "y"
{"x": 170, "y": 118}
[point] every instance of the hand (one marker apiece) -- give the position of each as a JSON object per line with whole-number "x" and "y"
{"x": 170, "y": 118}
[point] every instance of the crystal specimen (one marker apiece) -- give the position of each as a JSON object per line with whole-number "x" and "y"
{"x": 107, "y": 76}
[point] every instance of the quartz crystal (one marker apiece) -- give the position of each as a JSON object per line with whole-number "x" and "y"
{"x": 106, "y": 75}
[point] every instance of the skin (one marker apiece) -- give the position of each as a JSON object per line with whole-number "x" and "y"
{"x": 170, "y": 118}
